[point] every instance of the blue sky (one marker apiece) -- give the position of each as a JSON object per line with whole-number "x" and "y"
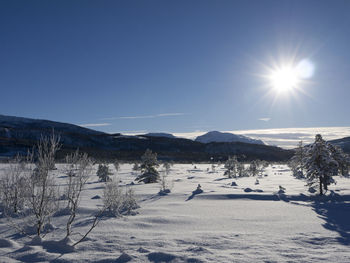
{"x": 174, "y": 66}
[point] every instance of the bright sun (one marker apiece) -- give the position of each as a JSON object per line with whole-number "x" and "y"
{"x": 288, "y": 77}
{"x": 284, "y": 79}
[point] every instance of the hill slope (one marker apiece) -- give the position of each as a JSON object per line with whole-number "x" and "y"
{"x": 17, "y": 135}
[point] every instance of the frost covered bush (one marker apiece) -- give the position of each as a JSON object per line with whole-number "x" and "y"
{"x": 165, "y": 185}
{"x": 116, "y": 165}
{"x": 13, "y": 187}
{"x": 296, "y": 163}
{"x": 257, "y": 167}
{"x": 117, "y": 202}
{"x": 103, "y": 173}
{"x": 148, "y": 168}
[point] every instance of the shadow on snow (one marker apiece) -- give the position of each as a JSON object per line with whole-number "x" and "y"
{"x": 333, "y": 208}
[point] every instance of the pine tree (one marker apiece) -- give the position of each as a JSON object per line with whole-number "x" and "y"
{"x": 103, "y": 173}
{"x": 254, "y": 167}
{"x": 231, "y": 166}
{"x": 319, "y": 164}
{"x": 342, "y": 159}
{"x": 148, "y": 168}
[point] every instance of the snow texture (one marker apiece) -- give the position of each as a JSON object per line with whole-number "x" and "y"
{"x": 220, "y": 224}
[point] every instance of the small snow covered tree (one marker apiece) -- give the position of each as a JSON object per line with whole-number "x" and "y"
{"x": 163, "y": 180}
{"x": 231, "y": 166}
{"x": 103, "y": 173}
{"x": 296, "y": 163}
{"x": 167, "y": 167}
{"x": 116, "y": 164}
{"x": 148, "y": 168}
{"x": 136, "y": 167}
{"x": 319, "y": 164}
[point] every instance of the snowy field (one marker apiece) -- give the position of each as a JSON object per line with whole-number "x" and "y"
{"x": 225, "y": 223}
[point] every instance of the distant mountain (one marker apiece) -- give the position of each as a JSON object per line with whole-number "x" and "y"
{"x": 18, "y": 135}
{"x": 215, "y": 136}
{"x": 344, "y": 143}
{"x": 160, "y": 134}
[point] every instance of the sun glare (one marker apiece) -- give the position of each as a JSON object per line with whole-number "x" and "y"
{"x": 284, "y": 79}
{"x": 288, "y": 77}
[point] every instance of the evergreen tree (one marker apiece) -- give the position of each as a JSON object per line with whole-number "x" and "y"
{"x": 148, "y": 168}
{"x": 254, "y": 167}
{"x": 241, "y": 171}
{"x": 342, "y": 159}
{"x": 231, "y": 166}
{"x": 103, "y": 173}
{"x": 319, "y": 164}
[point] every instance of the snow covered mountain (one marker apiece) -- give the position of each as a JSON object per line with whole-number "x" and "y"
{"x": 215, "y": 136}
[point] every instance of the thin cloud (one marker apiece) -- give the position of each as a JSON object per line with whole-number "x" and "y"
{"x": 264, "y": 119}
{"x": 95, "y": 124}
{"x": 146, "y": 116}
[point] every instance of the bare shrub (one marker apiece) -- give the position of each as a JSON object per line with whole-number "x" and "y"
{"x": 79, "y": 171}
{"x": 43, "y": 192}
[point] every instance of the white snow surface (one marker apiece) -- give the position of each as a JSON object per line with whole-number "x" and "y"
{"x": 222, "y": 224}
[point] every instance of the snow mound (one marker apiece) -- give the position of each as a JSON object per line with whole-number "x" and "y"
{"x": 142, "y": 250}
{"x": 63, "y": 246}
{"x": 312, "y": 190}
{"x": 36, "y": 241}
{"x": 123, "y": 258}
{"x": 248, "y": 190}
{"x": 164, "y": 192}
{"x": 6, "y": 243}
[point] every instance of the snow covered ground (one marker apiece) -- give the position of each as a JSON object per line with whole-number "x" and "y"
{"x": 244, "y": 223}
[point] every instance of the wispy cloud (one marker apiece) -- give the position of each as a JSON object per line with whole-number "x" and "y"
{"x": 146, "y": 116}
{"x": 95, "y": 124}
{"x": 264, "y": 119}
